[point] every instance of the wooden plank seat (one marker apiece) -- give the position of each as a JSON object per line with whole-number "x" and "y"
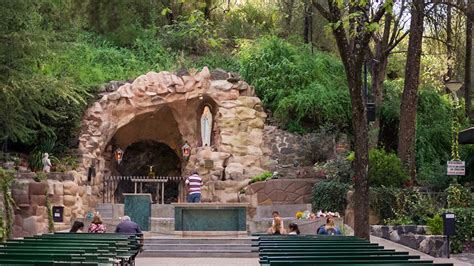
{"x": 329, "y": 250}
{"x": 72, "y": 248}
{"x": 351, "y": 262}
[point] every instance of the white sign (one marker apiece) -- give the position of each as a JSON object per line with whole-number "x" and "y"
{"x": 449, "y": 215}
{"x": 456, "y": 168}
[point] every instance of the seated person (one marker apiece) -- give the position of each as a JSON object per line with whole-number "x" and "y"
{"x": 329, "y": 228}
{"x": 277, "y": 227}
{"x": 293, "y": 229}
{"x": 77, "y": 227}
{"x": 97, "y": 226}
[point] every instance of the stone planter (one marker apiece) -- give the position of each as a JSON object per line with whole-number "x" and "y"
{"x": 413, "y": 236}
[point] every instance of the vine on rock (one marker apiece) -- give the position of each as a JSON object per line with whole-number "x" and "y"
{"x": 6, "y": 179}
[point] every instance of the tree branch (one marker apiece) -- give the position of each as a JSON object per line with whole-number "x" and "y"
{"x": 325, "y": 13}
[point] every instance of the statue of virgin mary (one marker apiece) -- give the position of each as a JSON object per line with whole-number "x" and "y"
{"x": 206, "y": 127}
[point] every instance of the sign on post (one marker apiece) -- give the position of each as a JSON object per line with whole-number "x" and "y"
{"x": 456, "y": 168}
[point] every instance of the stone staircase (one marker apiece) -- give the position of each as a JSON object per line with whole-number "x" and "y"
{"x": 199, "y": 247}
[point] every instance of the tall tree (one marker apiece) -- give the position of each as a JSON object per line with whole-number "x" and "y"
{"x": 469, "y": 61}
{"x": 408, "y": 106}
{"x": 308, "y": 21}
{"x": 384, "y": 43}
{"x": 353, "y": 23}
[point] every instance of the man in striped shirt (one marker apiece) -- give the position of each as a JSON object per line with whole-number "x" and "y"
{"x": 194, "y": 183}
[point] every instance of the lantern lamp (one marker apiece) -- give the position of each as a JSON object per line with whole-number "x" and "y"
{"x": 186, "y": 149}
{"x": 118, "y": 154}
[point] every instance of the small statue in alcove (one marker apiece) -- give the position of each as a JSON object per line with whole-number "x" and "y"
{"x": 206, "y": 127}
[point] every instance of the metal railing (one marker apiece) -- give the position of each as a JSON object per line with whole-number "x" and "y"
{"x": 110, "y": 184}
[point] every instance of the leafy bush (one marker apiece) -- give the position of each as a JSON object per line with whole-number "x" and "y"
{"x": 435, "y": 225}
{"x": 263, "y": 177}
{"x": 295, "y": 84}
{"x": 338, "y": 169}
{"x": 458, "y": 196}
{"x": 395, "y": 205}
{"x": 464, "y": 228}
{"x": 383, "y": 201}
{"x": 330, "y": 196}
{"x": 385, "y": 169}
{"x": 400, "y": 220}
{"x": 433, "y": 132}
{"x": 249, "y": 20}
{"x": 192, "y": 33}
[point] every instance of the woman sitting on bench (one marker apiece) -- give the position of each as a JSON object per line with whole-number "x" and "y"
{"x": 329, "y": 228}
{"x": 96, "y": 226}
{"x": 277, "y": 227}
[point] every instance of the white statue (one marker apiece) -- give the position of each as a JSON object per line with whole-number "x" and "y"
{"x": 46, "y": 163}
{"x": 206, "y": 127}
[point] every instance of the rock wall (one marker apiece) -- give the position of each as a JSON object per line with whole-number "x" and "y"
{"x": 236, "y": 152}
{"x": 281, "y": 191}
{"x": 413, "y": 236}
{"x": 31, "y": 216}
{"x": 293, "y": 155}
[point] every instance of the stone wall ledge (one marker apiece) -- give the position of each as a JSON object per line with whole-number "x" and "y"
{"x": 413, "y": 236}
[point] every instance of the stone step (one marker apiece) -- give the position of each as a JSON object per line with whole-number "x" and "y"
{"x": 194, "y": 241}
{"x": 199, "y": 254}
{"x": 200, "y": 247}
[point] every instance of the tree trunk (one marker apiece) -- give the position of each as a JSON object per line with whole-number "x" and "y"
{"x": 468, "y": 69}
{"x": 360, "y": 129}
{"x": 353, "y": 68}
{"x": 408, "y": 106}
{"x": 379, "y": 69}
{"x": 449, "y": 42}
{"x": 307, "y": 21}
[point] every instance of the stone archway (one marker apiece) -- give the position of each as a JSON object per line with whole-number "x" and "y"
{"x": 236, "y": 151}
{"x": 137, "y": 159}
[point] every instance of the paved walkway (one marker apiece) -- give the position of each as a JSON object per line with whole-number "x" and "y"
{"x": 392, "y": 245}
{"x": 466, "y": 258}
{"x": 197, "y": 261}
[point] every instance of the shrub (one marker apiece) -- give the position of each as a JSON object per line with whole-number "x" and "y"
{"x": 383, "y": 201}
{"x": 400, "y": 220}
{"x": 338, "y": 169}
{"x": 295, "y": 84}
{"x": 458, "y": 196}
{"x": 464, "y": 228}
{"x": 192, "y": 33}
{"x": 262, "y": 177}
{"x": 395, "y": 205}
{"x": 435, "y": 225}
{"x": 385, "y": 169}
{"x": 330, "y": 196}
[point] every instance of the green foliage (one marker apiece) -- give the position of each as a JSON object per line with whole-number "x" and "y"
{"x": 435, "y": 225}
{"x": 433, "y": 132}
{"x": 383, "y": 201}
{"x": 262, "y": 177}
{"x": 250, "y": 20}
{"x": 330, "y": 196}
{"x": 36, "y": 155}
{"x": 400, "y": 220}
{"x": 40, "y": 176}
{"x": 464, "y": 228}
{"x": 6, "y": 179}
{"x": 458, "y": 196}
{"x": 192, "y": 33}
{"x": 385, "y": 169}
{"x": 401, "y": 206}
{"x": 297, "y": 85}
{"x": 49, "y": 209}
{"x": 338, "y": 169}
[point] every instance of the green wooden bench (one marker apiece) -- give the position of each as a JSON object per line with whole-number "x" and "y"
{"x": 329, "y": 250}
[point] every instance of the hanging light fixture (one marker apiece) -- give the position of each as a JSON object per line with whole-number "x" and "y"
{"x": 118, "y": 155}
{"x": 186, "y": 149}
